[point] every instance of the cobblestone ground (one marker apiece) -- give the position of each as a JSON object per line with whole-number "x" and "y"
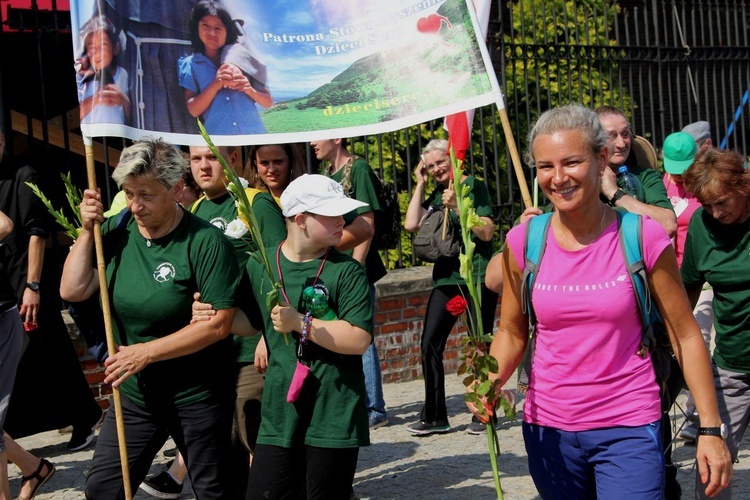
{"x": 397, "y": 465}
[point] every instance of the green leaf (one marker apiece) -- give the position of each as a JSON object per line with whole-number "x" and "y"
{"x": 484, "y": 388}
{"x": 272, "y": 299}
{"x": 492, "y": 365}
{"x": 58, "y": 215}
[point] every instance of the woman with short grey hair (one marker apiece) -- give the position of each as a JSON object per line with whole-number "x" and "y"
{"x": 153, "y": 157}
{"x": 176, "y": 378}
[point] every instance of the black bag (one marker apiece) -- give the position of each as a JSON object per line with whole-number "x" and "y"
{"x": 388, "y": 218}
{"x": 429, "y": 244}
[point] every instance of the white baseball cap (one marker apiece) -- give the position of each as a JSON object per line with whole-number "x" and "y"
{"x": 317, "y": 194}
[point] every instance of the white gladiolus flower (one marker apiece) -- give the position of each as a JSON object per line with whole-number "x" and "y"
{"x": 236, "y": 229}
{"x": 243, "y": 183}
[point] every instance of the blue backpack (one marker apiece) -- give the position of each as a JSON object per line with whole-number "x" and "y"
{"x": 654, "y": 341}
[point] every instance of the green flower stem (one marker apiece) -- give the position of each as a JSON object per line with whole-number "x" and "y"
{"x": 476, "y": 361}
{"x": 493, "y": 444}
{"x": 247, "y": 213}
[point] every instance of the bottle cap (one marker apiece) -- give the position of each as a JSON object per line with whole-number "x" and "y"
{"x": 623, "y": 169}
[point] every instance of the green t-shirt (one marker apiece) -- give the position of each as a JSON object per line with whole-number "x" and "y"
{"x": 654, "y": 191}
{"x": 151, "y": 286}
{"x": 220, "y": 212}
{"x": 330, "y": 411}
{"x": 362, "y": 180}
{"x": 718, "y": 254}
{"x": 446, "y": 269}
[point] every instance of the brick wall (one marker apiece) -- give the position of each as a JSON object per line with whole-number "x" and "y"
{"x": 400, "y": 306}
{"x": 93, "y": 371}
{"x": 399, "y": 312}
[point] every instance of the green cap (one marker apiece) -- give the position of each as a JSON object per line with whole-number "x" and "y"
{"x": 679, "y": 152}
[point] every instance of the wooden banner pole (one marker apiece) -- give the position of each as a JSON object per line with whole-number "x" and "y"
{"x": 111, "y": 346}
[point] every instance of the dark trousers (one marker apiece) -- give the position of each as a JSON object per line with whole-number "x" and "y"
{"x": 200, "y": 430}
{"x": 438, "y": 323}
{"x": 302, "y": 472}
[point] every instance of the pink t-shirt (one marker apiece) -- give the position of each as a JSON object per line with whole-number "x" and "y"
{"x": 684, "y": 204}
{"x": 587, "y": 373}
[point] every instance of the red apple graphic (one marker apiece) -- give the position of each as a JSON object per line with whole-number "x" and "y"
{"x": 432, "y": 23}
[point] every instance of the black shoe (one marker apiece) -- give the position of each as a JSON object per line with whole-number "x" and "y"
{"x": 161, "y": 486}
{"x": 476, "y": 427}
{"x": 81, "y": 437}
{"x": 170, "y": 452}
{"x": 423, "y": 428}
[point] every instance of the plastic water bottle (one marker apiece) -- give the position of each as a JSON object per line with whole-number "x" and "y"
{"x": 316, "y": 301}
{"x": 629, "y": 183}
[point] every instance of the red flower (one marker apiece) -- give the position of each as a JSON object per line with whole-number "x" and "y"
{"x": 456, "y": 306}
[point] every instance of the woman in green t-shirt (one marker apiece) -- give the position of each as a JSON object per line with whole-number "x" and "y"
{"x": 175, "y": 377}
{"x": 716, "y": 252}
{"x": 438, "y": 321}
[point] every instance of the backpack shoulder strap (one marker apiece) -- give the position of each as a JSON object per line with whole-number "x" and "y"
{"x": 534, "y": 246}
{"x": 630, "y": 233}
{"x": 536, "y": 242}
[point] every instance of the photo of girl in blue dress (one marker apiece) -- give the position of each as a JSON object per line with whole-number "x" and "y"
{"x": 219, "y": 93}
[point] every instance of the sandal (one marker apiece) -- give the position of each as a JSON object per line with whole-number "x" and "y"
{"x": 38, "y": 476}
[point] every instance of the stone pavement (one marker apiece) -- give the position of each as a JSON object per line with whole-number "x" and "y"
{"x": 397, "y": 465}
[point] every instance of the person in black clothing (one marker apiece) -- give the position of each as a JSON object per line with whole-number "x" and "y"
{"x": 49, "y": 364}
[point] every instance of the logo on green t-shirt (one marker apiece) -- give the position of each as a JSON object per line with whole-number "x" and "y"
{"x": 164, "y": 272}
{"x": 219, "y": 222}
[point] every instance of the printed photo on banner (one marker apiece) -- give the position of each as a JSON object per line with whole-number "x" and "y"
{"x": 255, "y": 71}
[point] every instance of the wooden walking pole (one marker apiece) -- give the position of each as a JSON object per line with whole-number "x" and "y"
{"x": 111, "y": 348}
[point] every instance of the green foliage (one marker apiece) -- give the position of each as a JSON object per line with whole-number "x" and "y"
{"x": 558, "y": 52}
{"x": 73, "y": 195}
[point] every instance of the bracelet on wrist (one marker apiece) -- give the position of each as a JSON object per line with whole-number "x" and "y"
{"x": 306, "y": 324}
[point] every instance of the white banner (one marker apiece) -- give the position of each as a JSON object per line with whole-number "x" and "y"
{"x": 269, "y": 72}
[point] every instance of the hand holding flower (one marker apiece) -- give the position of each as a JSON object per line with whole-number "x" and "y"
{"x": 286, "y": 319}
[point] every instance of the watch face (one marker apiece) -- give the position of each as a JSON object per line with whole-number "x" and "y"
{"x": 33, "y": 286}
{"x": 724, "y": 431}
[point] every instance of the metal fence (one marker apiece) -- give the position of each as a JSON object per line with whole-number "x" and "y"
{"x": 665, "y": 62}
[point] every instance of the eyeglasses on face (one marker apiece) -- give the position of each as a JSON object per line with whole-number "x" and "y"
{"x": 440, "y": 164}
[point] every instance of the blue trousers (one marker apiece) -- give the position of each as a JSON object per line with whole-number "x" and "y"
{"x": 373, "y": 376}
{"x": 613, "y": 463}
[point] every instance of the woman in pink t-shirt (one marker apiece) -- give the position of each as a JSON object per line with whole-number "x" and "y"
{"x": 593, "y": 403}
